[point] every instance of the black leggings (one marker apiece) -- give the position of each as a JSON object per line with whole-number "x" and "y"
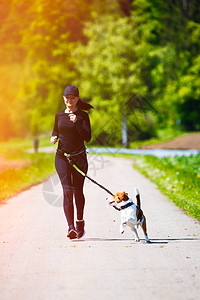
{"x": 72, "y": 184}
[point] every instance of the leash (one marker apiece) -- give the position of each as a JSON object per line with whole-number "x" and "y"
{"x": 70, "y": 161}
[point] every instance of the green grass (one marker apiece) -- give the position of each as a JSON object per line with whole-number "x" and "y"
{"x": 176, "y": 177}
{"x": 39, "y": 166}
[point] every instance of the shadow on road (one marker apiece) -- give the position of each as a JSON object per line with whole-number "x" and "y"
{"x": 165, "y": 241}
{"x": 153, "y": 241}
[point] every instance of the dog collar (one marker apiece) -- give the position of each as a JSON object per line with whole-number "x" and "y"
{"x": 126, "y": 205}
{"x": 123, "y": 206}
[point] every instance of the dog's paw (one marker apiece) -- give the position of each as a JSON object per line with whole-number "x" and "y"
{"x": 122, "y": 231}
{"x": 137, "y": 240}
{"x": 147, "y": 241}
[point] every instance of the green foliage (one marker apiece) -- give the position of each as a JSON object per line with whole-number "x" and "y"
{"x": 177, "y": 177}
{"x": 189, "y": 96}
{"x": 110, "y": 75}
{"x": 111, "y": 50}
{"x": 39, "y": 35}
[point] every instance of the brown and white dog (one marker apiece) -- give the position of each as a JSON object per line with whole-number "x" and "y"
{"x": 131, "y": 214}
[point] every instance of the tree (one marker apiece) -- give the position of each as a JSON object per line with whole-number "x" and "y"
{"x": 36, "y": 41}
{"x": 145, "y": 47}
{"x": 110, "y": 74}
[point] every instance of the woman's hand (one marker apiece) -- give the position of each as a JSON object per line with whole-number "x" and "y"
{"x": 53, "y": 139}
{"x": 73, "y": 118}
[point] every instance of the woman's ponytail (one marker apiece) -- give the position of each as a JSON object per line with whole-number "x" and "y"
{"x": 83, "y": 105}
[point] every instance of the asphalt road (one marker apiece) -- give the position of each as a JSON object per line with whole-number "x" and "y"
{"x": 39, "y": 262}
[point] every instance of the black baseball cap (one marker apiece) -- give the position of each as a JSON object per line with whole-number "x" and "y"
{"x": 72, "y": 90}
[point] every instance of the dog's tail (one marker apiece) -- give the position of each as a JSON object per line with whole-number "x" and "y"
{"x": 137, "y": 195}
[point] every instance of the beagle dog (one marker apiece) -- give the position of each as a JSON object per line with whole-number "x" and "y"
{"x": 131, "y": 214}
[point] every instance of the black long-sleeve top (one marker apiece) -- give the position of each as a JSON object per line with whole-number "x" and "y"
{"x": 72, "y": 135}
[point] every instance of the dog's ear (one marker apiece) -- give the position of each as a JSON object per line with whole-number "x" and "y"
{"x": 125, "y": 196}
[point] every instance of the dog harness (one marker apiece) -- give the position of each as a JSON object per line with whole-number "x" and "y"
{"x": 140, "y": 214}
{"x": 123, "y": 206}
